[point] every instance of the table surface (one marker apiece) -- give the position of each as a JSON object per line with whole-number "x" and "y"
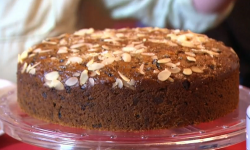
{"x": 8, "y": 143}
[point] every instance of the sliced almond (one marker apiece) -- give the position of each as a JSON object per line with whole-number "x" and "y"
{"x": 123, "y": 77}
{"x": 74, "y": 59}
{"x": 119, "y": 83}
{"x": 187, "y": 71}
{"x": 164, "y": 60}
{"x": 128, "y": 49}
{"x": 79, "y": 45}
{"x": 126, "y": 57}
{"x": 105, "y": 47}
{"x": 164, "y": 75}
{"x": 74, "y": 50}
{"x": 84, "y": 31}
{"x": 84, "y": 77}
{"x": 141, "y": 69}
{"x": 90, "y": 62}
{"x": 91, "y": 81}
{"x": 24, "y": 55}
{"x": 108, "y": 60}
{"x": 52, "y": 75}
{"x": 24, "y": 67}
{"x": 190, "y": 54}
{"x": 175, "y": 70}
{"x": 148, "y": 54}
{"x": 95, "y": 66}
{"x": 191, "y": 58}
{"x": 196, "y": 69}
{"x": 19, "y": 60}
{"x": 71, "y": 81}
{"x": 63, "y": 42}
{"x": 57, "y": 85}
{"x": 172, "y": 65}
{"x": 32, "y": 71}
{"x": 76, "y": 74}
{"x": 170, "y": 79}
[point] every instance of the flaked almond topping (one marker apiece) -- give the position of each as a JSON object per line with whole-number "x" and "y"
{"x": 117, "y": 52}
{"x": 46, "y": 51}
{"x": 52, "y": 75}
{"x": 62, "y": 50}
{"x": 139, "y": 51}
{"x": 105, "y": 47}
{"x": 190, "y": 54}
{"x": 177, "y": 64}
{"x": 148, "y": 54}
{"x": 196, "y": 69}
{"x": 191, "y": 58}
{"x": 119, "y": 35}
{"x": 74, "y": 50}
{"x": 187, "y": 71}
{"x": 24, "y": 67}
{"x": 128, "y": 48}
{"x": 63, "y": 42}
{"x": 84, "y": 77}
{"x": 202, "y": 51}
{"x": 164, "y": 60}
{"x": 154, "y": 57}
{"x": 171, "y": 65}
{"x": 31, "y": 67}
{"x": 74, "y": 59}
{"x": 51, "y": 43}
{"x": 141, "y": 69}
{"x": 123, "y": 77}
{"x": 91, "y": 81}
{"x": 32, "y": 71}
{"x": 170, "y": 79}
{"x": 55, "y": 84}
{"x": 95, "y": 46}
{"x": 32, "y": 55}
{"x": 24, "y": 55}
{"x": 119, "y": 83}
{"x": 98, "y": 72}
{"x": 95, "y": 66}
{"x": 126, "y": 57}
{"x": 71, "y": 81}
{"x": 232, "y": 50}
{"x": 19, "y": 59}
{"x": 90, "y": 62}
{"x": 131, "y": 82}
{"x": 76, "y": 74}
{"x": 92, "y": 50}
{"x": 84, "y": 31}
{"x": 114, "y": 84}
{"x": 108, "y": 60}
{"x": 175, "y": 70}
{"x": 79, "y": 45}
{"x": 164, "y": 75}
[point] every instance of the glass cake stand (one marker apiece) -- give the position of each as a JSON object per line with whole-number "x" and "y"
{"x": 220, "y": 133}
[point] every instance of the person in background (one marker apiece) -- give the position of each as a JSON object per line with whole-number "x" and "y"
{"x": 234, "y": 31}
{"x": 25, "y": 23}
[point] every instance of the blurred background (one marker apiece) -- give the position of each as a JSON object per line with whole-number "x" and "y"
{"x": 24, "y": 24}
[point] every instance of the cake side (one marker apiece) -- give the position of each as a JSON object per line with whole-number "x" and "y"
{"x": 128, "y": 79}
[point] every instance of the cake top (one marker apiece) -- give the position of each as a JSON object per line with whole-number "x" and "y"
{"x": 125, "y": 57}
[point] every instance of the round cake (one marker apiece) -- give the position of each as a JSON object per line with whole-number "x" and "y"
{"x": 128, "y": 79}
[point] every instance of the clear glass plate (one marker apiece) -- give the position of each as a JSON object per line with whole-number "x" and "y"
{"x": 220, "y": 133}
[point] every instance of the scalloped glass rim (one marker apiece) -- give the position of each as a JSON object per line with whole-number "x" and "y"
{"x": 220, "y": 133}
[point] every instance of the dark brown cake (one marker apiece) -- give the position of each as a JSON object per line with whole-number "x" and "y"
{"x": 128, "y": 79}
